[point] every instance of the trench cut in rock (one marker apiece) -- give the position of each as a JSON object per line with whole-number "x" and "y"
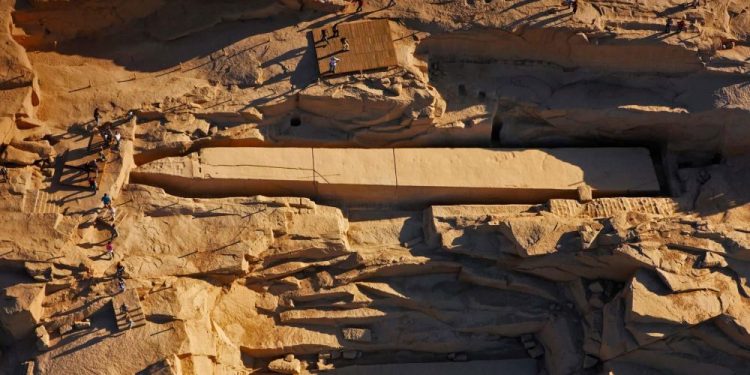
{"x": 405, "y": 176}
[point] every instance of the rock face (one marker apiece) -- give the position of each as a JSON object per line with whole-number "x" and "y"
{"x": 21, "y": 309}
{"x": 533, "y": 189}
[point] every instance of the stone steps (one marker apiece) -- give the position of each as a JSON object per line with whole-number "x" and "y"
{"x": 39, "y": 202}
{"x": 135, "y": 310}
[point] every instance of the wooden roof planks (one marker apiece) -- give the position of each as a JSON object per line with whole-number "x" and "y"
{"x": 370, "y": 47}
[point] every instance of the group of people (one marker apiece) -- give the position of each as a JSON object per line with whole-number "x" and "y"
{"x": 109, "y": 247}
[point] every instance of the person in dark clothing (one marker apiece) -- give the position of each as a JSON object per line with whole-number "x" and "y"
{"x": 92, "y": 184}
{"x": 97, "y": 116}
{"x": 360, "y": 5}
{"x": 120, "y": 270}
{"x": 668, "y": 26}
{"x": 4, "y": 174}
{"x": 681, "y": 26}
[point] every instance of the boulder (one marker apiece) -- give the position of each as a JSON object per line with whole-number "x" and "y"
{"x": 14, "y": 155}
{"x": 536, "y": 235}
{"x": 584, "y": 194}
{"x": 42, "y": 148}
{"x": 21, "y": 308}
{"x": 286, "y": 365}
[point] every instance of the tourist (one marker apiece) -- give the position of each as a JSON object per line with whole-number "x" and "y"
{"x": 112, "y": 212}
{"x": 574, "y": 5}
{"x": 119, "y": 270}
{"x": 324, "y": 35}
{"x": 345, "y": 44}
{"x": 332, "y": 62}
{"x": 124, "y": 308}
{"x": 668, "y": 26}
{"x": 97, "y": 117}
{"x": 128, "y": 321}
{"x": 106, "y": 200}
{"x": 4, "y": 173}
{"x": 115, "y": 233}
{"x": 121, "y": 285}
{"x": 92, "y": 184}
{"x": 360, "y": 5}
{"x": 91, "y": 167}
{"x": 681, "y": 26}
{"x": 110, "y": 250}
{"x": 335, "y": 29}
{"x": 118, "y": 137}
{"x": 102, "y": 158}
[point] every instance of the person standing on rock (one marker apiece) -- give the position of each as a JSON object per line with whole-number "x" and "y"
{"x": 4, "y": 174}
{"x": 681, "y": 26}
{"x": 97, "y": 117}
{"x": 332, "y": 62}
{"x": 119, "y": 270}
{"x": 668, "y": 26}
{"x": 118, "y": 137}
{"x": 574, "y": 5}
{"x": 115, "y": 233}
{"x": 107, "y": 200}
{"x": 92, "y": 184}
{"x": 121, "y": 284}
{"x": 360, "y": 5}
{"x": 344, "y": 44}
{"x": 110, "y": 250}
{"x": 91, "y": 167}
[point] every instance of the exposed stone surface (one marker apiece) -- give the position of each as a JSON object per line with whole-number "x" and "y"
{"x": 645, "y": 272}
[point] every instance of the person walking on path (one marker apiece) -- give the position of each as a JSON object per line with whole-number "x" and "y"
{"x": 97, "y": 117}
{"x": 121, "y": 285}
{"x": 681, "y": 26}
{"x": 91, "y": 167}
{"x": 332, "y": 62}
{"x": 344, "y": 44}
{"x": 106, "y": 200}
{"x": 92, "y": 184}
{"x": 110, "y": 250}
{"x": 120, "y": 270}
{"x": 115, "y": 233}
